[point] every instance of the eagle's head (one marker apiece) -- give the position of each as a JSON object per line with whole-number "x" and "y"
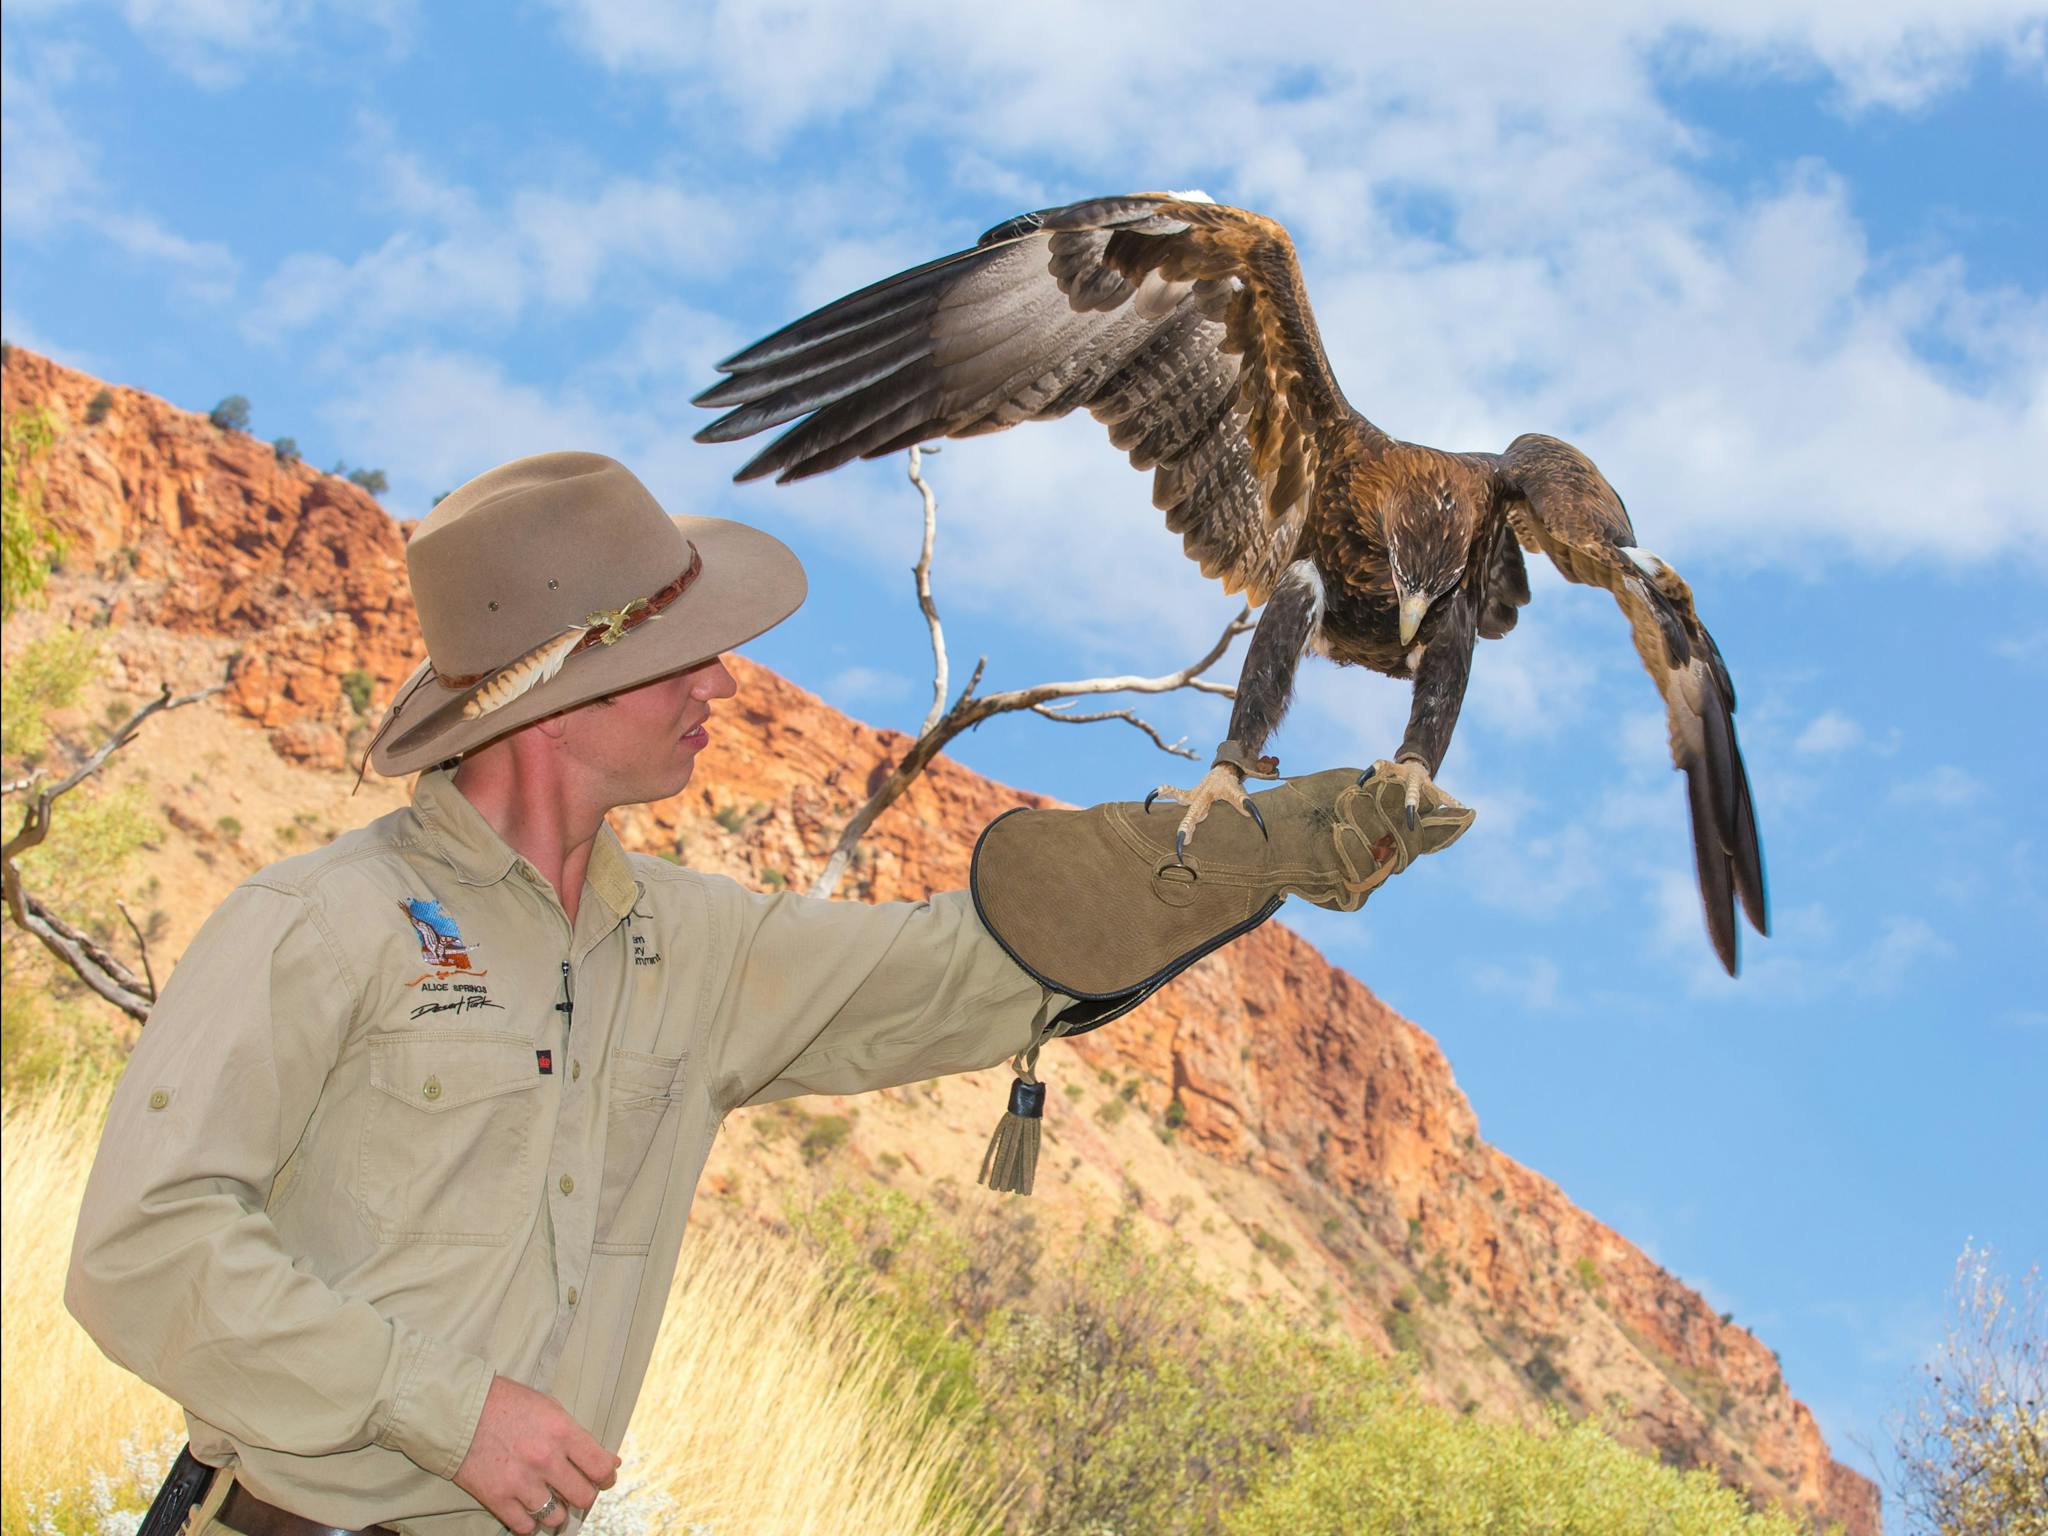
{"x": 1427, "y": 543}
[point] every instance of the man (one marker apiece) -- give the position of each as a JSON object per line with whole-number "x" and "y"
{"x": 392, "y": 1192}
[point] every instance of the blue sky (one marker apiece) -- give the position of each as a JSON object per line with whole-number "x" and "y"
{"x": 1774, "y": 266}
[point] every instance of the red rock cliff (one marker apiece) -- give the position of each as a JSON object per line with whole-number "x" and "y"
{"x": 1289, "y": 1099}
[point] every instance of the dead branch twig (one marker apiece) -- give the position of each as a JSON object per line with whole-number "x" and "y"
{"x": 141, "y": 947}
{"x": 923, "y": 572}
{"x": 1068, "y": 717}
{"x": 87, "y": 959}
{"x": 968, "y": 711}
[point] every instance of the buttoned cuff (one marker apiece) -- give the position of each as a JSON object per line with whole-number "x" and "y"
{"x": 440, "y": 1399}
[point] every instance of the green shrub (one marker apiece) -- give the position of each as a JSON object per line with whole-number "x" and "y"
{"x": 96, "y": 408}
{"x": 231, "y": 415}
{"x": 1410, "y": 1469}
{"x": 229, "y": 826}
{"x": 286, "y": 449}
{"x": 29, "y": 546}
{"x": 357, "y": 686}
{"x": 1278, "y": 1249}
{"x": 371, "y": 480}
{"x": 1402, "y": 1332}
{"x": 47, "y": 675}
{"x": 825, "y": 1135}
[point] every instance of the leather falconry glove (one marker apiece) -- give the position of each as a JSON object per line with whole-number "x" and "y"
{"x": 1100, "y": 906}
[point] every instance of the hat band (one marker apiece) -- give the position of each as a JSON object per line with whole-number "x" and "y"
{"x": 605, "y": 627}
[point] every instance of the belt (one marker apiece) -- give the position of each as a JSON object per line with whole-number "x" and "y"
{"x": 242, "y": 1511}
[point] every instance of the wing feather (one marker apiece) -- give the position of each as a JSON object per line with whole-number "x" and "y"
{"x": 1183, "y": 326}
{"x": 1560, "y": 504}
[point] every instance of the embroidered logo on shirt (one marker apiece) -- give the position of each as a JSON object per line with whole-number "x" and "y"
{"x": 546, "y": 1061}
{"x": 443, "y": 948}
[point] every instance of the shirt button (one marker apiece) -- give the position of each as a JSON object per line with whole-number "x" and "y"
{"x": 159, "y": 1099}
{"x": 431, "y": 1089}
{"x": 575, "y": 1070}
{"x": 568, "y": 1185}
{"x": 572, "y": 1295}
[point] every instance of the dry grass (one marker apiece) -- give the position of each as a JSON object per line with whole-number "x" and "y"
{"x": 769, "y": 1413}
{"x": 68, "y": 1409}
{"x": 765, "y": 1411}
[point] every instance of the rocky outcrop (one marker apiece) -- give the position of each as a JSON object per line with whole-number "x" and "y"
{"x": 1318, "y": 1140}
{"x": 170, "y": 522}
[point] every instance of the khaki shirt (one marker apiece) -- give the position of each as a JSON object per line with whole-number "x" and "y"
{"x": 396, "y": 1126}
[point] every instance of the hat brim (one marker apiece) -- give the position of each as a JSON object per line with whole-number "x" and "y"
{"x": 751, "y": 581}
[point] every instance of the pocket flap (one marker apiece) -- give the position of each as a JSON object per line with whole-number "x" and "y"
{"x": 640, "y": 1078}
{"x": 439, "y": 1071}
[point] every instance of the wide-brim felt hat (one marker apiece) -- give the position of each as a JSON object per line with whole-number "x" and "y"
{"x": 558, "y": 579}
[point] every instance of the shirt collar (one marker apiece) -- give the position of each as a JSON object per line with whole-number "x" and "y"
{"x": 480, "y": 856}
{"x": 458, "y": 830}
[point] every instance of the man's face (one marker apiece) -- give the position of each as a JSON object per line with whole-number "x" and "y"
{"x": 642, "y": 745}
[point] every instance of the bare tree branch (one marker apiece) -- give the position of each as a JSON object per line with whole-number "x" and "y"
{"x": 87, "y": 959}
{"x": 923, "y": 573}
{"x": 16, "y": 786}
{"x": 141, "y": 947}
{"x": 968, "y": 711}
{"x": 1066, "y": 717}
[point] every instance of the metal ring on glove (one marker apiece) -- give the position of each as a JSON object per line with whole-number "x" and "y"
{"x": 539, "y": 1516}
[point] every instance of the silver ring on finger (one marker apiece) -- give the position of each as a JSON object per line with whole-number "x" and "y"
{"x": 539, "y": 1516}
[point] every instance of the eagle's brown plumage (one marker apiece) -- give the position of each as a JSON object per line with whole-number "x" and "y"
{"x": 1185, "y": 328}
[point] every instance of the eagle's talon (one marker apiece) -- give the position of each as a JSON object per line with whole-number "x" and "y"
{"x": 1180, "y": 843}
{"x": 1411, "y": 817}
{"x": 1148, "y": 801}
{"x": 1253, "y": 807}
{"x": 1366, "y": 775}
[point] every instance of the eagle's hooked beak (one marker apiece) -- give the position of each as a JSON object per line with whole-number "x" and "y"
{"x": 1413, "y": 606}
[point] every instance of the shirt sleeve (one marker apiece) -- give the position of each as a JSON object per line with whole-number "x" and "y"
{"x": 176, "y": 1270}
{"x": 843, "y": 997}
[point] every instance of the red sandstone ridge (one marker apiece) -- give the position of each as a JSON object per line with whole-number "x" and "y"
{"x": 1303, "y": 1109}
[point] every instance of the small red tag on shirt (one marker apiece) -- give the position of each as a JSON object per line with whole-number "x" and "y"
{"x": 546, "y": 1060}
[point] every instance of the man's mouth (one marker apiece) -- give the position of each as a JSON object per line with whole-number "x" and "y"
{"x": 696, "y": 735}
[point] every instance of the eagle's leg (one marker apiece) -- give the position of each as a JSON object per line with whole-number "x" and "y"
{"x": 1287, "y": 624}
{"x": 1440, "y": 678}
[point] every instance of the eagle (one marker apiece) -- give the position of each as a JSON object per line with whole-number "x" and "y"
{"x": 1184, "y": 327}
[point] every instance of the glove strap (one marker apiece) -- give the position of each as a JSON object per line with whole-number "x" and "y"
{"x": 1232, "y": 753}
{"x": 1010, "y": 1166}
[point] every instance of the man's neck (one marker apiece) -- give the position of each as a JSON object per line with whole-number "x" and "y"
{"x": 544, "y": 819}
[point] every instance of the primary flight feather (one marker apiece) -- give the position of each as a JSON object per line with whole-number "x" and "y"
{"x": 1184, "y": 327}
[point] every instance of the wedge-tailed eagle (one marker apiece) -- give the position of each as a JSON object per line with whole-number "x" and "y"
{"x": 1184, "y": 327}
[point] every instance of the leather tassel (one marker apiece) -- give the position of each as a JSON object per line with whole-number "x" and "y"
{"x": 1010, "y": 1166}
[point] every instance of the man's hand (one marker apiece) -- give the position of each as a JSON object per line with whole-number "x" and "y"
{"x": 527, "y": 1449}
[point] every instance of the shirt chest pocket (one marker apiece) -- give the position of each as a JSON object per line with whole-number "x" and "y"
{"x": 639, "y": 1148}
{"x": 448, "y": 1137}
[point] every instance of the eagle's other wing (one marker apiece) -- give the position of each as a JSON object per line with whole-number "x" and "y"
{"x": 1562, "y": 506}
{"x": 1179, "y": 324}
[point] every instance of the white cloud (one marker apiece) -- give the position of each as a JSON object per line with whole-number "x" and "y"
{"x": 1830, "y": 732}
{"x": 865, "y": 685}
{"x": 52, "y": 183}
{"x": 1944, "y": 785}
{"x": 1531, "y": 985}
{"x": 216, "y": 43}
{"x": 460, "y": 262}
{"x": 1740, "y": 367}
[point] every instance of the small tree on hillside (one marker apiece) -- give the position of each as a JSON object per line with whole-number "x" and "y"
{"x": 27, "y": 543}
{"x": 1972, "y": 1444}
{"x": 231, "y": 415}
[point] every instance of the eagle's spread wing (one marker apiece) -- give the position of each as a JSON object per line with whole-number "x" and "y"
{"x": 1181, "y": 325}
{"x": 1561, "y": 505}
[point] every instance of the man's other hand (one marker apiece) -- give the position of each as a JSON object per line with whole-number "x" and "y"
{"x": 526, "y": 1449}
